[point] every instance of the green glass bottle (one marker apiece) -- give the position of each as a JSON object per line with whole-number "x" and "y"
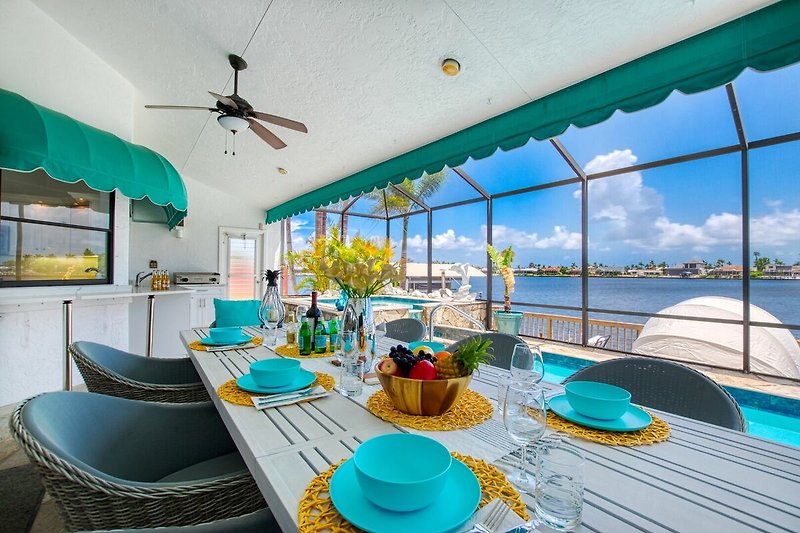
{"x": 333, "y": 334}
{"x": 320, "y": 338}
{"x": 304, "y": 339}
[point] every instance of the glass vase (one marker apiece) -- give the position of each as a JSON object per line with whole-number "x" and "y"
{"x": 271, "y": 312}
{"x": 359, "y": 318}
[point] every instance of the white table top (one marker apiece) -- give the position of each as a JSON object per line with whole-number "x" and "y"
{"x": 703, "y": 478}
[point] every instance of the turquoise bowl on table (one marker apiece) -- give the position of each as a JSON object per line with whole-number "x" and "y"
{"x": 597, "y": 400}
{"x": 275, "y": 372}
{"x": 225, "y": 335}
{"x": 434, "y": 346}
{"x": 400, "y": 471}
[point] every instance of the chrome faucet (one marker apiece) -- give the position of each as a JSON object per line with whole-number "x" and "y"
{"x": 470, "y": 318}
{"x": 140, "y": 278}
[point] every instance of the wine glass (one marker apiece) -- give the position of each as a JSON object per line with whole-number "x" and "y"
{"x": 527, "y": 364}
{"x": 525, "y": 418}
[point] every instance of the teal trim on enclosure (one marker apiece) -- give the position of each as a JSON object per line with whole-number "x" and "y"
{"x": 764, "y": 40}
{"x": 32, "y": 136}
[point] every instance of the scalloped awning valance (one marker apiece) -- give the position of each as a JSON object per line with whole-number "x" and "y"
{"x": 764, "y": 40}
{"x": 32, "y": 136}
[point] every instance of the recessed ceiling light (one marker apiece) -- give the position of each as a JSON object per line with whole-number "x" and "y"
{"x": 282, "y": 171}
{"x": 451, "y": 67}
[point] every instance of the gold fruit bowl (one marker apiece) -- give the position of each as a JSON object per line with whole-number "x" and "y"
{"x": 423, "y": 397}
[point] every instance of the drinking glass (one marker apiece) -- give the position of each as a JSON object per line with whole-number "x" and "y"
{"x": 351, "y": 382}
{"x": 503, "y": 383}
{"x": 271, "y": 337}
{"x": 559, "y": 487}
{"x": 347, "y": 352}
{"x": 527, "y": 363}
{"x": 525, "y": 418}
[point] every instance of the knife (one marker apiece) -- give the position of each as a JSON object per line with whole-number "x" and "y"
{"x": 288, "y": 395}
{"x": 290, "y": 401}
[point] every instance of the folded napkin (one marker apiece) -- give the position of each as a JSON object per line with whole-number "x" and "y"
{"x": 277, "y": 400}
{"x": 510, "y": 522}
{"x": 230, "y": 347}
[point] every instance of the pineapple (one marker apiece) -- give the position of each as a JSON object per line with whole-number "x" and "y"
{"x": 465, "y": 360}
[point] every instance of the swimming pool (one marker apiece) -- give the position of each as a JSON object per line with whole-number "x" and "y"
{"x": 770, "y": 417}
{"x": 384, "y": 301}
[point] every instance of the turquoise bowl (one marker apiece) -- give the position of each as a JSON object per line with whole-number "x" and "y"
{"x": 597, "y": 400}
{"x": 275, "y": 372}
{"x": 435, "y": 346}
{"x": 400, "y": 471}
{"x": 225, "y": 334}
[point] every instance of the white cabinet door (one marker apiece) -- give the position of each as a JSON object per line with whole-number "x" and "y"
{"x": 203, "y": 305}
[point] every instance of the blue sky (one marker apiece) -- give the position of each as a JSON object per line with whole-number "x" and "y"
{"x": 667, "y": 214}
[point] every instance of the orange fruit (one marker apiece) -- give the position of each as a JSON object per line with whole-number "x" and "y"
{"x": 444, "y": 354}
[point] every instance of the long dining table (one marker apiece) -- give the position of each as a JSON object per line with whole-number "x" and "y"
{"x": 703, "y": 478}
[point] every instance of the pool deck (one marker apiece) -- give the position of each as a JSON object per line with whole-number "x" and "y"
{"x": 732, "y": 378}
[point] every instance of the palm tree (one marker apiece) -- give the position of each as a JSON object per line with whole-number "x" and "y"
{"x": 289, "y": 252}
{"x": 398, "y": 204}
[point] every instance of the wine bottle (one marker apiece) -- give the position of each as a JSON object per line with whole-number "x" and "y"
{"x": 313, "y": 315}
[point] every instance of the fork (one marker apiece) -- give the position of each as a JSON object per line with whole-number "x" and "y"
{"x": 494, "y": 518}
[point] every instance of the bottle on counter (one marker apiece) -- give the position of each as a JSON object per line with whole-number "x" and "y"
{"x": 304, "y": 339}
{"x": 320, "y": 338}
{"x": 166, "y": 280}
{"x": 291, "y": 330}
{"x": 333, "y": 334}
{"x": 153, "y": 280}
{"x": 313, "y": 315}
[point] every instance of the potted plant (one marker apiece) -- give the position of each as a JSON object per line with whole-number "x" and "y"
{"x": 507, "y": 321}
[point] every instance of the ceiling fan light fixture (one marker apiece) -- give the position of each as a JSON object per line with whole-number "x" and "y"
{"x": 233, "y": 123}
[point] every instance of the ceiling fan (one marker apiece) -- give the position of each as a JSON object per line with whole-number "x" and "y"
{"x": 236, "y": 114}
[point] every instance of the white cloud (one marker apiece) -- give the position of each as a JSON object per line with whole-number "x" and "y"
{"x": 561, "y": 238}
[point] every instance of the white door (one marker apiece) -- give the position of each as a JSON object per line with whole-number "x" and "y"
{"x": 243, "y": 264}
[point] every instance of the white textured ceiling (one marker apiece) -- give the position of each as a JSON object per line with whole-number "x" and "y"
{"x": 363, "y": 75}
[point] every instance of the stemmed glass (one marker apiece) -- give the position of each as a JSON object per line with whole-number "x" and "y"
{"x": 527, "y": 364}
{"x": 525, "y": 418}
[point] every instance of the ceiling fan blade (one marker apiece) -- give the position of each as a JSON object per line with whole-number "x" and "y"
{"x": 268, "y": 137}
{"x": 224, "y": 99}
{"x": 280, "y": 121}
{"x": 193, "y": 107}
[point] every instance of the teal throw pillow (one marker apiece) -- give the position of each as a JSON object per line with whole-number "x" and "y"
{"x": 231, "y": 313}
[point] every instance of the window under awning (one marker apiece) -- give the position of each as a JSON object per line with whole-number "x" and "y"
{"x": 764, "y": 40}
{"x": 32, "y": 136}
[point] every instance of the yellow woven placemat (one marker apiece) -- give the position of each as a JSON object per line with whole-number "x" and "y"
{"x": 657, "y": 431}
{"x": 231, "y": 393}
{"x": 470, "y": 410}
{"x": 317, "y": 513}
{"x": 200, "y": 347}
{"x": 293, "y": 351}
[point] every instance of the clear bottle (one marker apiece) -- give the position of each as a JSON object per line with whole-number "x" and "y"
{"x": 272, "y": 309}
{"x": 291, "y": 330}
{"x": 304, "y": 338}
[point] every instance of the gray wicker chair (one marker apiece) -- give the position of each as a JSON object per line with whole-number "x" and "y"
{"x": 502, "y": 347}
{"x": 107, "y": 370}
{"x": 258, "y": 522}
{"x": 116, "y": 463}
{"x": 406, "y": 329}
{"x": 669, "y": 387}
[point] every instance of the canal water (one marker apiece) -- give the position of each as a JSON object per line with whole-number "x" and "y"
{"x": 781, "y": 298}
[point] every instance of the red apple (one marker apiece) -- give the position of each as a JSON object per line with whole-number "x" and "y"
{"x": 389, "y": 367}
{"x": 423, "y": 370}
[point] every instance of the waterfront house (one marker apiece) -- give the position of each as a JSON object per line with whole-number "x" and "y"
{"x": 688, "y": 269}
{"x": 727, "y": 271}
{"x": 776, "y": 270}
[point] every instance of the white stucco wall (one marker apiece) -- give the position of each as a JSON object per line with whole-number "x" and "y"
{"x": 44, "y": 63}
{"x": 198, "y": 250}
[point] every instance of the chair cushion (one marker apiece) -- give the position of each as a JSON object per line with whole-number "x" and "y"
{"x": 231, "y": 313}
{"x": 218, "y": 466}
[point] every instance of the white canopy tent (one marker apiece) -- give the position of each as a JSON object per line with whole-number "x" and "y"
{"x": 772, "y": 350}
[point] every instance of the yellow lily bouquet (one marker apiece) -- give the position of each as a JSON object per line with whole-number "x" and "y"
{"x": 361, "y": 268}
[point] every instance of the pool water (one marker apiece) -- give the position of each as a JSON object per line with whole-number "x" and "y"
{"x": 383, "y": 301}
{"x": 769, "y": 417}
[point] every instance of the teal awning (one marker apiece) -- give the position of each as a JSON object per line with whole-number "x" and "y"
{"x": 32, "y": 136}
{"x": 764, "y": 40}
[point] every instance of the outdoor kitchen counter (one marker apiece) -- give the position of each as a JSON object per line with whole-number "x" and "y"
{"x": 20, "y": 296}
